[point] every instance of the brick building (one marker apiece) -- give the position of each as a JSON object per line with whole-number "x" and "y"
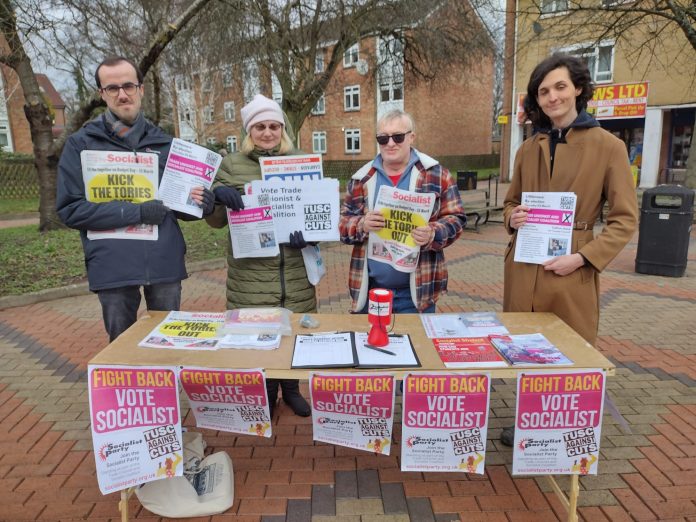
{"x": 15, "y": 135}
{"x": 645, "y": 98}
{"x": 453, "y": 115}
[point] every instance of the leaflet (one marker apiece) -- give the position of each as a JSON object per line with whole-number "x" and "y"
{"x": 292, "y": 168}
{"x": 549, "y": 228}
{"x": 252, "y": 232}
{"x": 403, "y": 211}
{"x": 188, "y": 166}
{"x": 121, "y": 176}
{"x": 312, "y": 207}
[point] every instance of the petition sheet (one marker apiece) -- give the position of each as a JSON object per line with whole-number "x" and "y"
{"x": 549, "y": 227}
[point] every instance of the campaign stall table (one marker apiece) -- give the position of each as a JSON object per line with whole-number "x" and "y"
{"x": 276, "y": 363}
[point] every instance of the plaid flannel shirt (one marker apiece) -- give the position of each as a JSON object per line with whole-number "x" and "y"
{"x": 448, "y": 220}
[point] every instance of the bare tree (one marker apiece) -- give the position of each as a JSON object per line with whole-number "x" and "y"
{"x": 47, "y": 149}
{"x": 285, "y": 37}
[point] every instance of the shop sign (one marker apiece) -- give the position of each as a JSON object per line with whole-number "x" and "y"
{"x": 623, "y": 100}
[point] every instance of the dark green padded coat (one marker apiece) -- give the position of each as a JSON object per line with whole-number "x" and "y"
{"x": 265, "y": 281}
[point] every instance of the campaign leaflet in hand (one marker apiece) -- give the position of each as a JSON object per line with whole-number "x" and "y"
{"x": 549, "y": 227}
{"x": 292, "y": 168}
{"x": 403, "y": 211}
{"x": 121, "y": 176}
{"x": 252, "y": 232}
{"x": 529, "y": 350}
{"x": 312, "y": 207}
{"x": 186, "y": 331}
{"x": 188, "y": 166}
{"x": 468, "y": 352}
{"x": 469, "y": 324}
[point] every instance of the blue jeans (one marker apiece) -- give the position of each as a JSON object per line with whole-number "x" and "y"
{"x": 120, "y": 305}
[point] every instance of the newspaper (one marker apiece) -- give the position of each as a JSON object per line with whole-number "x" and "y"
{"x": 549, "y": 227}
{"x": 467, "y": 324}
{"x": 188, "y": 166}
{"x": 287, "y": 168}
{"x": 403, "y": 211}
{"x": 252, "y": 232}
{"x": 187, "y": 331}
{"x": 310, "y": 207}
{"x": 121, "y": 176}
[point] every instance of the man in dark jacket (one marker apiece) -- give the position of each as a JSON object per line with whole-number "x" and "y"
{"x": 117, "y": 268}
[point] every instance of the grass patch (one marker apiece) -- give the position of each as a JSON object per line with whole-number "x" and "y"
{"x": 36, "y": 261}
{"x": 18, "y": 206}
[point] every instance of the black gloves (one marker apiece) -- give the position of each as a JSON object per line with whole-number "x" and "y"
{"x": 208, "y": 203}
{"x": 152, "y": 212}
{"x": 297, "y": 240}
{"x": 230, "y": 197}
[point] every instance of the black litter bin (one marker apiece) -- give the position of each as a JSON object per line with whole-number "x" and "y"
{"x": 665, "y": 224}
{"x": 466, "y": 179}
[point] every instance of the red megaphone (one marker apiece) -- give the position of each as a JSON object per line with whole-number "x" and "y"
{"x": 379, "y": 314}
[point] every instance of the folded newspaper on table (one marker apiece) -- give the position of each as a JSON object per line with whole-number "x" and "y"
{"x": 468, "y": 352}
{"x": 529, "y": 350}
{"x": 469, "y": 324}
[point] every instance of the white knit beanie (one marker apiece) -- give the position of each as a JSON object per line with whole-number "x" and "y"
{"x": 261, "y": 109}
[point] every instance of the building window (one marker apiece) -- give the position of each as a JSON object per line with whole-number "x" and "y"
{"x": 188, "y": 115}
{"x": 319, "y": 142}
{"x": 211, "y": 141}
{"x": 183, "y": 83}
{"x": 352, "y": 141}
{"x": 207, "y": 114}
{"x": 599, "y": 60}
{"x": 391, "y": 70}
{"x": 319, "y": 61}
{"x": 320, "y": 106}
{"x": 229, "y": 111}
{"x": 206, "y": 83}
{"x": 391, "y": 91}
{"x": 553, "y": 6}
{"x": 276, "y": 90}
{"x": 232, "y": 143}
{"x": 4, "y": 141}
{"x": 351, "y": 56}
{"x": 227, "y": 76}
{"x": 351, "y": 98}
{"x": 252, "y": 85}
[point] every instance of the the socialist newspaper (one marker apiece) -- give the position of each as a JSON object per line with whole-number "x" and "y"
{"x": 121, "y": 176}
{"x": 303, "y": 167}
{"x": 188, "y": 331}
{"x": 549, "y": 227}
{"x": 403, "y": 211}
{"x": 188, "y": 166}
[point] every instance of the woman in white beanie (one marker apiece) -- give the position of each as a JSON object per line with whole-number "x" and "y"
{"x": 269, "y": 281}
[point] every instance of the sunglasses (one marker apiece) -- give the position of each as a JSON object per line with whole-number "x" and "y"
{"x": 383, "y": 139}
{"x": 129, "y": 88}
{"x": 260, "y": 127}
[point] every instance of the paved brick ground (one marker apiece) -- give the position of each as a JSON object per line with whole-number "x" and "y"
{"x": 647, "y": 467}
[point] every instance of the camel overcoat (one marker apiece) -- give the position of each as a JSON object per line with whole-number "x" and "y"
{"x": 593, "y": 163}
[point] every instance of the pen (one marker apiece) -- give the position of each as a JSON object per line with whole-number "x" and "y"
{"x": 379, "y": 349}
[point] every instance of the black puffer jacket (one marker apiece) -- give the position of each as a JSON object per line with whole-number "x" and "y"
{"x": 114, "y": 263}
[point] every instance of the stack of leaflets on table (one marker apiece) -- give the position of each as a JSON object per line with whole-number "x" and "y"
{"x": 468, "y": 352}
{"x": 272, "y": 321}
{"x": 470, "y": 324}
{"x": 529, "y": 350}
{"x": 250, "y": 341}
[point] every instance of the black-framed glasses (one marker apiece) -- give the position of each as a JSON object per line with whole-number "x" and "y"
{"x": 129, "y": 88}
{"x": 399, "y": 137}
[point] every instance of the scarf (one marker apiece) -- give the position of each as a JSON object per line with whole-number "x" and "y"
{"x": 131, "y": 134}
